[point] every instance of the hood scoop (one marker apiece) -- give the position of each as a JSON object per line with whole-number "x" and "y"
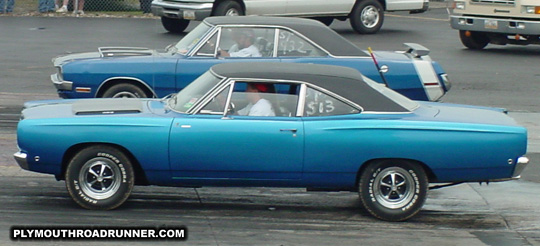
{"x": 107, "y": 106}
{"x": 124, "y": 51}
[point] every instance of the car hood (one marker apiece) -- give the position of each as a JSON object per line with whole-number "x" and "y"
{"x": 104, "y": 52}
{"x": 92, "y": 107}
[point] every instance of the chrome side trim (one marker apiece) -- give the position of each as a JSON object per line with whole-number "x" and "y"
{"x": 20, "y": 157}
{"x": 505, "y": 179}
{"x": 124, "y": 51}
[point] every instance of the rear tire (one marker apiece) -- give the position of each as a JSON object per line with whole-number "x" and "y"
{"x": 125, "y": 90}
{"x": 474, "y": 41}
{"x": 367, "y": 16}
{"x": 100, "y": 177}
{"x": 393, "y": 190}
{"x": 229, "y": 8}
{"x": 174, "y": 25}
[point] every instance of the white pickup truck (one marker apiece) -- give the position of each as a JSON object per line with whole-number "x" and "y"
{"x": 483, "y": 22}
{"x": 366, "y": 16}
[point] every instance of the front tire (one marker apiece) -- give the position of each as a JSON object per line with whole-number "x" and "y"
{"x": 229, "y": 8}
{"x": 367, "y": 17}
{"x": 100, "y": 177}
{"x": 125, "y": 90}
{"x": 393, "y": 190}
{"x": 473, "y": 40}
{"x": 174, "y": 25}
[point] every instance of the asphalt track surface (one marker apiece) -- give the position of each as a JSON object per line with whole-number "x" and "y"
{"x": 469, "y": 214}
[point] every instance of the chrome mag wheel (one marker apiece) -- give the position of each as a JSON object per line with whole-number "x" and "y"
{"x": 100, "y": 178}
{"x": 394, "y": 187}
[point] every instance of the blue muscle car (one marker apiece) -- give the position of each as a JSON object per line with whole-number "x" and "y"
{"x": 140, "y": 72}
{"x": 274, "y": 125}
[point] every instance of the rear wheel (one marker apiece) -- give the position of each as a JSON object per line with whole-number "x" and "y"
{"x": 174, "y": 25}
{"x": 473, "y": 40}
{"x": 367, "y": 16}
{"x": 393, "y": 190}
{"x": 125, "y": 90}
{"x": 229, "y": 8}
{"x": 99, "y": 177}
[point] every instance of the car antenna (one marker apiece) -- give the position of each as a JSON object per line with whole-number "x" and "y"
{"x": 377, "y": 66}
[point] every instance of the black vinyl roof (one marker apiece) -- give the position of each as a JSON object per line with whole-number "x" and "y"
{"x": 312, "y": 29}
{"x": 345, "y": 82}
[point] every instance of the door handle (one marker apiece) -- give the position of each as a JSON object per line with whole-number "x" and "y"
{"x": 288, "y": 130}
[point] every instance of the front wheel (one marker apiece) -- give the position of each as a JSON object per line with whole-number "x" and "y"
{"x": 228, "y": 8}
{"x": 125, "y": 90}
{"x": 393, "y": 190}
{"x": 473, "y": 40}
{"x": 367, "y": 16}
{"x": 174, "y": 25}
{"x": 99, "y": 177}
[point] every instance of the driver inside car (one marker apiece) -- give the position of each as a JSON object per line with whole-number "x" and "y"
{"x": 244, "y": 45}
{"x": 257, "y": 105}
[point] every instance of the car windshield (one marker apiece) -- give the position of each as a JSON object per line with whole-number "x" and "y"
{"x": 186, "y": 98}
{"x": 394, "y": 96}
{"x": 192, "y": 38}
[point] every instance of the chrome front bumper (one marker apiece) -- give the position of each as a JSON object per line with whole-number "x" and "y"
{"x": 20, "y": 157}
{"x": 507, "y": 26}
{"x": 181, "y": 10}
{"x": 61, "y": 84}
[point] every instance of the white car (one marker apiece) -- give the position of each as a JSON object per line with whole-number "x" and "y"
{"x": 366, "y": 16}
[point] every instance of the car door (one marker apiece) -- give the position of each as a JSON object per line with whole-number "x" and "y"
{"x": 213, "y": 147}
{"x": 265, "y": 7}
{"x": 318, "y": 7}
{"x": 335, "y": 143}
{"x": 205, "y": 54}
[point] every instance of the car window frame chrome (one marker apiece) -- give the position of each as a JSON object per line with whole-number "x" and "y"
{"x": 224, "y": 82}
{"x": 301, "y": 95}
{"x": 272, "y": 81}
{"x": 309, "y": 41}
{"x": 214, "y": 92}
{"x": 337, "y": 97}
{"x": 276, "y": 37}
{"x": 202, "y": 41}
{"x": 199, "y": 104}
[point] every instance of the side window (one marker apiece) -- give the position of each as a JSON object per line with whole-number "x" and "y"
{"x": 247, "y": 42}
{"x": 217, "y": 104}
{"x": 265, "y": 99}
{"x": 208, "y": 49}
{"x": 320, "y": 104}
{"x": 289, "y": 44}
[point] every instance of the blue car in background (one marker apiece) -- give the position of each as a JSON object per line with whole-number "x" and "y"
{"x": 141, "y": 72}
{"x": 320, "y": 127}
